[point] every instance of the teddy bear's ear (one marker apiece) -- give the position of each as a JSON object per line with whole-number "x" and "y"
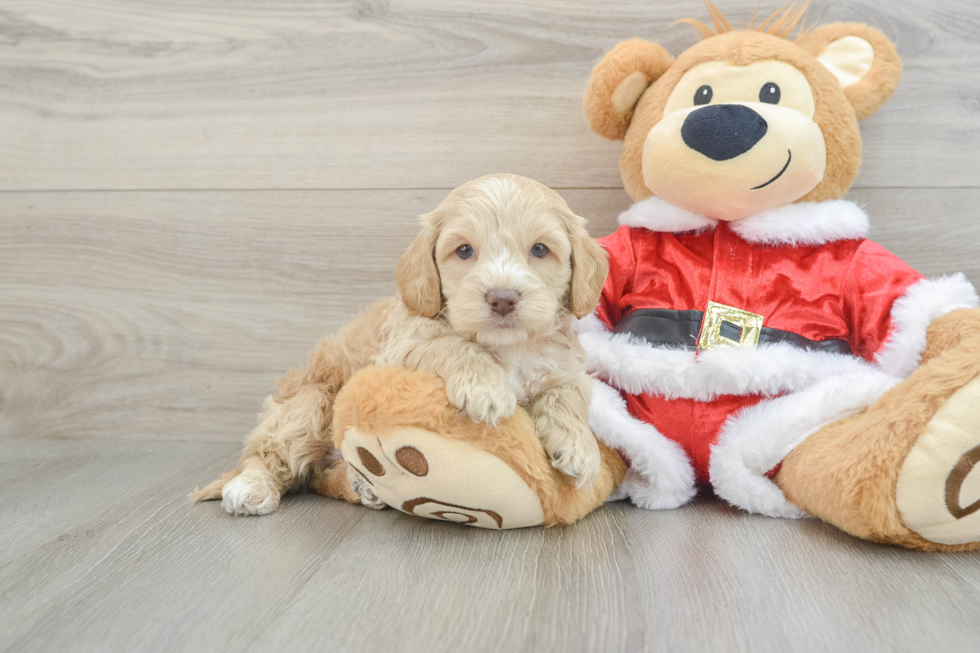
{"x": 618, "y": 81}
{"x": 862, "y": 59}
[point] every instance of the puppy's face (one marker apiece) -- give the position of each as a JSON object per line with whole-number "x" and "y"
{"x": 507, "y": 258}
{"x": 505, "y": 266}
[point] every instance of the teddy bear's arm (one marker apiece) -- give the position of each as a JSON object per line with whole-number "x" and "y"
{"x": 619, "y": 281}
{"x": 875, "y": 280}
{"x": 889, "y": 307}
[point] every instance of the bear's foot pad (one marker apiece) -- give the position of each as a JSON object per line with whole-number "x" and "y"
{"x": 938, "y": 489}
{"x": 429, "y": 475}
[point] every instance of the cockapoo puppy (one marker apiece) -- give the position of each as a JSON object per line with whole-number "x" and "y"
{"x": 487, "y": 295}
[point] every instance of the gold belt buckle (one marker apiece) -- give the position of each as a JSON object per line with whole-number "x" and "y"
{"x": 727, "y": 326}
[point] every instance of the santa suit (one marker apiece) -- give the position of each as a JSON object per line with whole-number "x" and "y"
{"x": 823, "y": 322}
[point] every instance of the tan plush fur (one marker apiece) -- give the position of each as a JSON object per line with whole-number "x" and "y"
{"x": 846, "y": 473}
{"x": 442, "y": 323}
{"x": 628, "y": 57}
{"x": 837, "y": 109}
{"x": 948, "y": 331}
{"x": 384, "y": 399}
{"x": 877, "y": 87}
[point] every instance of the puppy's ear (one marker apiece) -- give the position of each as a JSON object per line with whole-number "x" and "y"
{"x": 862, "y": 59}
{"x": 590, "y": 266}
{"x": 618, "y": 81}
{"x": 417, "y": 276}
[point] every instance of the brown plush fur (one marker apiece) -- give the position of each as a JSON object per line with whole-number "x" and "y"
{"x": 949, "y": 330}
{"x": 386, "y": 398}
{"x": 623, "y": 60}
{"x": 846, "y": 473}
{"x": 837, "y": 109}
{"x": 868, "y": 94}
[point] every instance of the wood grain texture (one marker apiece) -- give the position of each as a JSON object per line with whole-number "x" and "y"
{"x": 136, "y": 568}
{"x": 167, "y": 315}
{"x": 109, "y": 94}
{"x": 143, "y": 318}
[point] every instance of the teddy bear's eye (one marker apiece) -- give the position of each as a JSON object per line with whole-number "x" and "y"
{"x": 703, "y": 95}
{"x": 769, "y": 93}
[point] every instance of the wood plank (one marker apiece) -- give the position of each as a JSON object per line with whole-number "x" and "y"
{"x": 117, "y": 94}
{"x": 149, "y": 572}
{"x": 167, "y": 315}
{"x": 51, "y": 490}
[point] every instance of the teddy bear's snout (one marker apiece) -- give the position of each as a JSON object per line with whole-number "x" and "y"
{"x": 723, "y": 131}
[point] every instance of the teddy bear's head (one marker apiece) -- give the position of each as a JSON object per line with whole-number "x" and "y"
{"x": 743, "y": 121}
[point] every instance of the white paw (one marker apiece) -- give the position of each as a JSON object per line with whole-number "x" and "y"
{"x": 485, "y": 398}
{"x": 250, "y": 493}
{"x": 575, "y": 456}
{"x": 363, "y": 490}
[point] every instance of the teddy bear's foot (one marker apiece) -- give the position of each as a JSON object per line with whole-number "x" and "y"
{"x": 938, "y": 488}
{"x": 428, "y": 475}
{"x": 905, "y": 471}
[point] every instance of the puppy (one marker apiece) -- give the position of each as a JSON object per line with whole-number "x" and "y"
{"x": 487, "y": 293}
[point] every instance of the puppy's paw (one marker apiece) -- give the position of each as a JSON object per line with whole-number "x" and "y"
{"x": 363, "y": 490}
{"x": 573, "y": 454}
{"x": 250, "y": 493}
{"x": 485, "y": 397}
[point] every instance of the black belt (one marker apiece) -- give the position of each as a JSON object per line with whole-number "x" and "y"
{"x": 662, "y": 326}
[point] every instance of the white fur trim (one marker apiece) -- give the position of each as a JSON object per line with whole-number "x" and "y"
{"x": 589, "y": 324}
{"x": 637, "y": 367}
{"x": 661, "y": 475}
{"x": 805, "y": 223}
{"x": 912, "y": 314}
{"x": 657, "y": 215}
{"x": 756, "y": 439}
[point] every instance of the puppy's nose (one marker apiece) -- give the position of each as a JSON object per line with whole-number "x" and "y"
{"x": 502, "y": 300}
{"x": 723, "y": 131}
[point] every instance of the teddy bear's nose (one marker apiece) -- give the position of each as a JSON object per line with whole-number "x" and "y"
{"x": 723, "y": 131}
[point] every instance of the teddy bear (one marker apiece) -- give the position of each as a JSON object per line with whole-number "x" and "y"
{"x": 749, "y": 336}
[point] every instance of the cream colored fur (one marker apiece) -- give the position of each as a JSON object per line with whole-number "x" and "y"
{"x": 442, "y": 323}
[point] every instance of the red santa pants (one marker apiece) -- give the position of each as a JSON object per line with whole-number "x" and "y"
{"x": 695, "y": 425}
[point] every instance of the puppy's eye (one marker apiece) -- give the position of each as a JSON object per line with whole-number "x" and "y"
{"x": 703, "y": 95}
{"x": 464, "y": 251}
{"x": 769, "y": 93}
{"x": 539, "y": 250}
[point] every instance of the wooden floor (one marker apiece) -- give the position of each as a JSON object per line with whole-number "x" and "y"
{"x": 193, "y": 192}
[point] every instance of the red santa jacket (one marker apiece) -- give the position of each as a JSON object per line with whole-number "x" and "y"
{"x": 827, "y": 320}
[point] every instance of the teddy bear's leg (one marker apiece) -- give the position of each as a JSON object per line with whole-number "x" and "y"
{"x": 904, "y": 471}
{"x": 408, "y": 446}
{"x": 949, "y": 330}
